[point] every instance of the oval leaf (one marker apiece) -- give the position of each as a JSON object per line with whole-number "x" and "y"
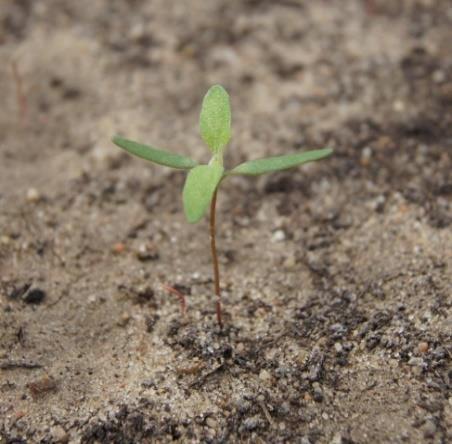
{"x": 278, "y": 163}
{"x": 201, "y": 183}
{"x": 215, "y": 118}
{"x": 155, "y": 155}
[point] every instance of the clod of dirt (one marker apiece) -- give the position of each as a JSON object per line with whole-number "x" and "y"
{"x": 42, "y": 387}
{"x": 144, "y": 294}
{"x": 140, "y": 294}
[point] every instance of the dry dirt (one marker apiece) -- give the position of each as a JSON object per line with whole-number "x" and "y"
{"x": 336, "y": 277}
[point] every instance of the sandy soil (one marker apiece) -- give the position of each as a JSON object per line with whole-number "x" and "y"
{"x": 336, "y": 277}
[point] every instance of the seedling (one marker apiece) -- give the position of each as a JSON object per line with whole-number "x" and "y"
{"x": 201, "y": 185}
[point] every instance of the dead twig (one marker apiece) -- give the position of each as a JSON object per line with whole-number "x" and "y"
{"x": 11, "y": 365}
{"x": 181, "y": 297}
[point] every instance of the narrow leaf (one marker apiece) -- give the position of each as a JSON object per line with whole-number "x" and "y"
{"x": 215, "y": 118}
{"x": 278, "y": 163}
{"x": 155, "y": 155}
{"x": 200, "y": 185}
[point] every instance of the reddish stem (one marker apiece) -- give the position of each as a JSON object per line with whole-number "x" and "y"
{"x": 216, "y": 270}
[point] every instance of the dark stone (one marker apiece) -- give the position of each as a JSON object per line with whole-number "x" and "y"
{"x": 317, "y": 395}
{"x": 34, "y": 296}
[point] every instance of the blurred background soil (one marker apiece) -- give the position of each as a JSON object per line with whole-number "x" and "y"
{"x": 336, "y": 276}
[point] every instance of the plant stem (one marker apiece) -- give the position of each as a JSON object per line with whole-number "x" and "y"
{"x": 213, "y": 247}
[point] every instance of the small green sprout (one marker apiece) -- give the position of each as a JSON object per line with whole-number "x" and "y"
{"x": 201, "y": 185}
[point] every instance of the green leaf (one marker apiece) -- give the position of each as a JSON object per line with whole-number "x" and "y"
{"x": 201, "y": 183}
{"x": 215, "y": 118}
{"x": 155, "y": 155}
{"x": 278, "y": 163}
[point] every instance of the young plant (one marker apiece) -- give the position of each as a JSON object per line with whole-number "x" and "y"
{"x": 201, "y": 185}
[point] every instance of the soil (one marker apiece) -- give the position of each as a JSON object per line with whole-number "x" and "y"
{"x": 336, "y": 276}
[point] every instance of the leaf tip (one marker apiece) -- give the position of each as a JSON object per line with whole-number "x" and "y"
{"x": 215, "y": 118}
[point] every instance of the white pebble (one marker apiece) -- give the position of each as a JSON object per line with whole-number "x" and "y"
{"x": 33, "y": 195}
{"x": 279, "y": 236}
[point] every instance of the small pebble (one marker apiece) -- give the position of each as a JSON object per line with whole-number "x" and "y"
{"x": 119, "y": 248}
{"x": 147, "y": 252}
{"x": 264, "y": 375}
{"x": 124, "y": 319}
{"x": 137, "y": 32}
{"x": 318, "y": 395}
{"x": 225, "y": 56}
{"x": 103, "y": 155}
{"x": 60, "y": 435}
{"x": 210, "y": 422}
{"x": 290, "y": 262}
{"x": 250, "y": 424}
{"x": 33, "y": 195}
{"x": 423, "y": 347}
{"x": 439, "y": 76}
{"x": 337, "y": 439}
{"x": 366, "y": 155}
{"x": 399, "y": 106}
{"x": 20, "y": 424}
{"x": 279, "y": 236}
{"x": 378, "y": 203}
{"x": 415, "y": 361}
{"x": 92, "y": 298}
{"x": 301, "y": 357}
{"x": 5, "y": 240}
